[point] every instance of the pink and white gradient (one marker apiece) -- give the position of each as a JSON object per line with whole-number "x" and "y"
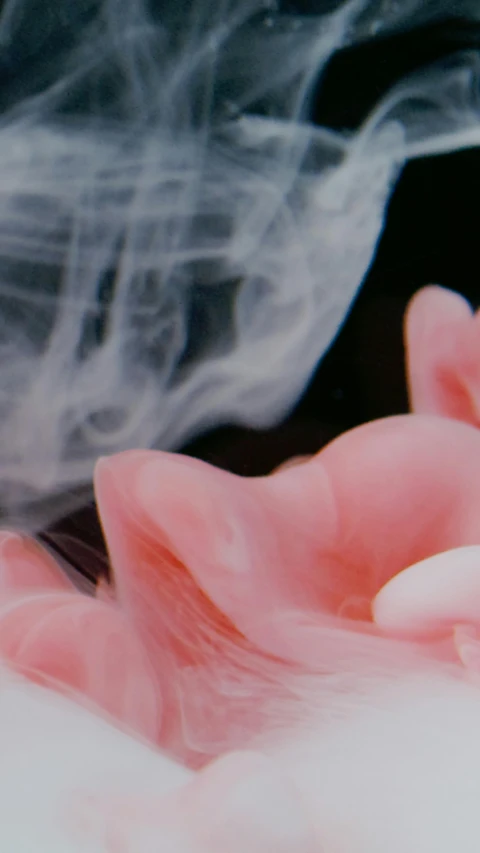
{"x": 287, "y": 663}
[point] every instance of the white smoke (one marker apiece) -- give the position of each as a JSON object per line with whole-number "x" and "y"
{"x": 178, "y": 243}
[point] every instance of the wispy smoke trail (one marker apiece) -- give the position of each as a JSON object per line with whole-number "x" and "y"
{"x": 178, "y": 243}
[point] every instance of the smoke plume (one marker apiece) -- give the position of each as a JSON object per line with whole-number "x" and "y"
{"x": 179, "y": 244}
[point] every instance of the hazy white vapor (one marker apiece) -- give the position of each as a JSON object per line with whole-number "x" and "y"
{"x": 62, "y": 766}
{"x": 178, "y": 244}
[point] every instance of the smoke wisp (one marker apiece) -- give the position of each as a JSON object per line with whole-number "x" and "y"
{"x": 179, "y": 244}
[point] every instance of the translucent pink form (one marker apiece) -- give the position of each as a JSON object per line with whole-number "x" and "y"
{"x": 327, "y": 615}
{"x": 26, "y": 567}
{"x": 443, "y": 344}
{"x": 222, "y": 585}
{"x": 440, "y": 595}
{"x": 54, "y": 634}
{"x": 431, "y": 597}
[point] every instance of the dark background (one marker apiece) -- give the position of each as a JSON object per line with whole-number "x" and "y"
{"x": 431, "y": 236}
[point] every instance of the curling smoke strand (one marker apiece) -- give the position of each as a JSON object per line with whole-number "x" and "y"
{"x": 178, "y": 245}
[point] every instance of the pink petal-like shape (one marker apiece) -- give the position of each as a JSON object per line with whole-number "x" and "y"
{"x": 25, "y": 565}
{"x": 219, "y": 573}
{"x": 312, "y": 538}
{"x": 240, "y": 554}
{"x": 213, "y": 681}
{"x": 70, "y": 641}
{"x": 432, "y": 596}
{"x": 442, "y": 337}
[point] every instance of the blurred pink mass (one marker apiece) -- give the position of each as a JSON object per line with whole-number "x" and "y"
{"x": 312, "y": 633}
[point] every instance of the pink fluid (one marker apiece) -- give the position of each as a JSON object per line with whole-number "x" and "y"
{"x": 299, "y": 653}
